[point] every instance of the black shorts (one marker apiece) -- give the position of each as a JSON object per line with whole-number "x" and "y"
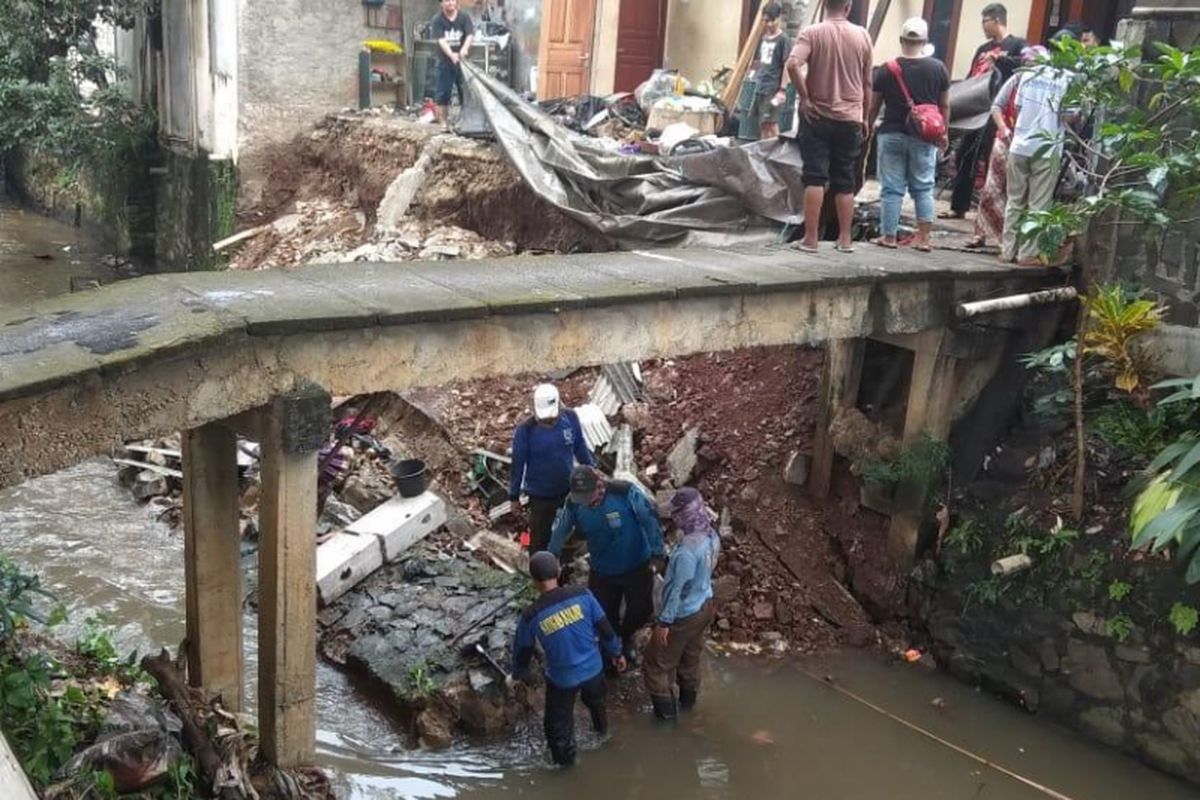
{"x": 449, "y": 78}
{"x": 830, "y": 150}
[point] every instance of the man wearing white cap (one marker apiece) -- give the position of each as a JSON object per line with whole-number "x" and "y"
{"x": 545, "y": 449}
{"x": 907, "y": 87}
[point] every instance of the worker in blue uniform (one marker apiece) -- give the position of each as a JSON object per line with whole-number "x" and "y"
{"x": 571, "y": 628}
{"x": 625, "y": 547}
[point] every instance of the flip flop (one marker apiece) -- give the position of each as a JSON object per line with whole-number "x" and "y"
{"x": 841, "y": 249}
{"x": 975, "y": 243}
{"x": 951, "y": 215}
{"x": 804, "y": 248}
{"x": 881, "y": 242}
{"x": 923, "y": 249}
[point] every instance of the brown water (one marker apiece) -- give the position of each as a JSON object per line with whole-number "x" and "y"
{"x": 762, "y": 731}
{"x": 39, "y": 256}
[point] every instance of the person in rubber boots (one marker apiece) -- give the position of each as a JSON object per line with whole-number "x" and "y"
{"x": 571, "y": 628}
{"x": 625, "y": 547}
{"x": 673, "y": 655}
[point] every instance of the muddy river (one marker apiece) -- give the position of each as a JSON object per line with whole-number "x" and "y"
{"x": 763, "y": 731}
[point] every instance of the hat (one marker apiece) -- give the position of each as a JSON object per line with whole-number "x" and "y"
{"x": 543, "y": 566}
{"x": 584, "y": 481}
{"x": 545, "y": 401}
{"x": 915, "y": 29}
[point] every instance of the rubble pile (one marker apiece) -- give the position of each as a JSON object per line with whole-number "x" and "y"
{"x": 363, "y": 188}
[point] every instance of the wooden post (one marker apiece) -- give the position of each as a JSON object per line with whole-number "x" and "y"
{"x": 293, "y": 429}
{"x": 930, "y": 397}
{"x": 839, "y": 390}
{"x": 212, "y": 562}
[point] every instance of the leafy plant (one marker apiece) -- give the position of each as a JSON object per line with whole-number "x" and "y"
{"x": 921, "y": 461}
{"x": 18, "y": 592}
{"x": 1183, "y": 618}
{"x": 1093, "y": 566}
{"x": 965, "y": 538}
{"x": 96, "y": 645}
{"x": 1119, "y": 627}
{"x": 1133, "y": 430}
{"x": 1118, "y": 590}
{"x": 1116, "y": 318}
{"x": 1054, "y": 359}
{"x": 40, "y": 726}
{"x": 420, "y": 682}
{"x": 988, "y": 592}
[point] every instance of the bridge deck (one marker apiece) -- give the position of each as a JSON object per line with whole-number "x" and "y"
{"x": 63, "y": 339}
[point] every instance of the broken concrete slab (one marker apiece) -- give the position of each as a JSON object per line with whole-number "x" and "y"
{"x": 343, "y": 561}
{"x": 149, "y": 483}
{"x": 402, "y": 522}
{"x": 682, "y": 460}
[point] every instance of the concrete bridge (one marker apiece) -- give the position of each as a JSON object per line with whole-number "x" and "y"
{"x": 218, "y": 354}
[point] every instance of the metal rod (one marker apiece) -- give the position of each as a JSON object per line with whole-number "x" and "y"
{"x": 1060, "y": 295}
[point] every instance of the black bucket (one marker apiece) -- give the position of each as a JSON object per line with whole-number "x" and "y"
{"x": 410, "y": 476}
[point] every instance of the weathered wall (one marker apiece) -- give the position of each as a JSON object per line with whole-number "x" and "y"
{"x": 970, "y": 33}
{"x": 702, "y": 36}
{"x": 196, "y": 206}
{"x": 1140, "y": 695}
{"x": 1166, "y": 261}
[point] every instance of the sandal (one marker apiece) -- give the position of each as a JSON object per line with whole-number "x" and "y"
{"x": 975, "y": 243}
{"x": 882, "y": 242}
{"x": 805, "y": 248}
{"x": 923, "y": 248}
{"x": 845, "y": 248}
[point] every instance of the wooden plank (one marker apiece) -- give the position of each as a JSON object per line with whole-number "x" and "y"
{"x": 287, "y": 595}
{"x": 14, "y": 785}
{"x": 745, "y": 59}
{"x": 839, "y": 390}
{"x": 212, "y": 562}
{"x": 129, "y": 462}
{"x": 162, "y": 451}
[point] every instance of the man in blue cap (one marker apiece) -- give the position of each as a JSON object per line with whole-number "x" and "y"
{"x": 571, "y": 628}
{"x": 625, "y": 547}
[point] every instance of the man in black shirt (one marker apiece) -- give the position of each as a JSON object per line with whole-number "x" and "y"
{"x": 453, "y": 31}
{"x": 769, "y": 79}
{"x": 999, "y": 56}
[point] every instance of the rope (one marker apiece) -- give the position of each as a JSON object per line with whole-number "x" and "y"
{"x": 930, "y": 735}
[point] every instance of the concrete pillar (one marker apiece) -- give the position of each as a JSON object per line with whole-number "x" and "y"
{"x": 839, "y": 390}
{"x": 930, "y": 402}
{"x": 212, "y": 562}
{"x": 293, "y": 428}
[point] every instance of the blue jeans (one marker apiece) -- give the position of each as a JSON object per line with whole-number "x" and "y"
{"x": 905, "y": 164}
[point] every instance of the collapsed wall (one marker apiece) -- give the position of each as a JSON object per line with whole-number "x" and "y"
{"x": 383, "y": 189}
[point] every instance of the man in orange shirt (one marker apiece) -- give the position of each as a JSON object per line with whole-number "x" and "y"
{"x": 835, "y": 98}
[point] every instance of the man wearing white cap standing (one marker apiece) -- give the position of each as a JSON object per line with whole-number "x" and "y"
{"x": 906, "y": 87}
{"x": 545, "y": 448}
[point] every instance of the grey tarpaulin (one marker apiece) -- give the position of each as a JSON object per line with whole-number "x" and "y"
{"x": 726, "y": 195}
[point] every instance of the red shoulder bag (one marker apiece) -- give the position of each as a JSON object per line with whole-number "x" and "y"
{"x": 925, "y": 121}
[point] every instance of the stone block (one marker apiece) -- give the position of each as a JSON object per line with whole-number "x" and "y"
{"x": 1184, "y": 726}
{"x": 795, "y": 471}
{"x": 401, "y": 522}
{"x": 1133, "y": 655}
{"x": 1091, "y": 672}
{"x": 1048, "y": 654}
{"x": 682, "y": 460}
{"x": 149, "y": 483}
{"x": 1090, "y": 623}
{"x": 1163, "y": 753}
{"x": 1026, "y": 664}
{"x": 1104, "y": 723}
{"x": 343, "y": 561}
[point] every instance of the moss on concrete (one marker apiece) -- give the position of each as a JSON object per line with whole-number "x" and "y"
{"x": 196, "y": 206}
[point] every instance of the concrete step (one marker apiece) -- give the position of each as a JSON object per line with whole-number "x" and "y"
{"x": 343, "y": 561}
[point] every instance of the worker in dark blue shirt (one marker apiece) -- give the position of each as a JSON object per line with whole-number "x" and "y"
{"x": 571, "y": 628}
{"x": 625, "y": 547}
{"x": 544, "y": 450}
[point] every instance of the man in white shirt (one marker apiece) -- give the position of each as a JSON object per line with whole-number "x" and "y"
{"x": 1035, "y": 146}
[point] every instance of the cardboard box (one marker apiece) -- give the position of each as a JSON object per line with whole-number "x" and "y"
{"x": 705, "y": 122}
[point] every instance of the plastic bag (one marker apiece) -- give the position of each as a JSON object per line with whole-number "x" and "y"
{"x": 660, "y": 84}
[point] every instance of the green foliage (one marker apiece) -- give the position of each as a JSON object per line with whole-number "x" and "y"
{"x": 922, "y": 461}
{"x": 988, "y": 592}
{"x": 1055, "y": 359}
{"x": 1118, "y": 590}
{"x": 96, "y": 645}
{"x": 420, "y": 683}
{"x": 1116, "y": 317}
{"x": 1119, "y": 627}
{"x": 1133, "y": 430}
{"x": 1143, "y": 159}
{"x": 965, "y": 538}
{"x": 1093, "y": 567}
{"x": 18, "y": 593}
{"x": 1183, "y": 618}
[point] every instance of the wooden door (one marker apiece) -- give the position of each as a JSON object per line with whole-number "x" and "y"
{"x": 641, "y": 29}
{"x": 565, "y": 50}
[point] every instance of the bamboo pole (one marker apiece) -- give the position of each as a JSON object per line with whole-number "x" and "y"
{"x": 745, "y": 59}
{"x": 1060, "y": 295}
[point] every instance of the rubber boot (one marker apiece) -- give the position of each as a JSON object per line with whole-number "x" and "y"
{"x": 630, "y": 652}
{"x": 687, "y": 699}
{"x": 563, "y": 755}
{"x": 664, "y": 707}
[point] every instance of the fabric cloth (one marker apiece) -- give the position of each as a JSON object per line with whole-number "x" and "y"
{"x": 839, "y": 55}
{"x": 542, "y": 511}
{"x": 687, "y": 584}
{"x": 1031, "y": 183}
{"x": 622, "y": 532}
{"x": 989, "y": 221}
{"x": 1039, "y": 94}
{"x": 830, "y": 150}
{"x": 627, "y": 600}
{"x": 454, "y": 31}
{"x": 449, "y": 79}
{"x": 567, "y": 622}
{"x": 689, "y": 513}
{"x": 772, "y": 56}
{"x": 1008, "y": 52}
{"x": 559, "y": 719}
{"x": 975, "y": 148}
{"x": 927, "y": 80}
{"x": 678, "y": 664}
{"x": 543, "y": 457}
{"x": 906, "y": 164}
